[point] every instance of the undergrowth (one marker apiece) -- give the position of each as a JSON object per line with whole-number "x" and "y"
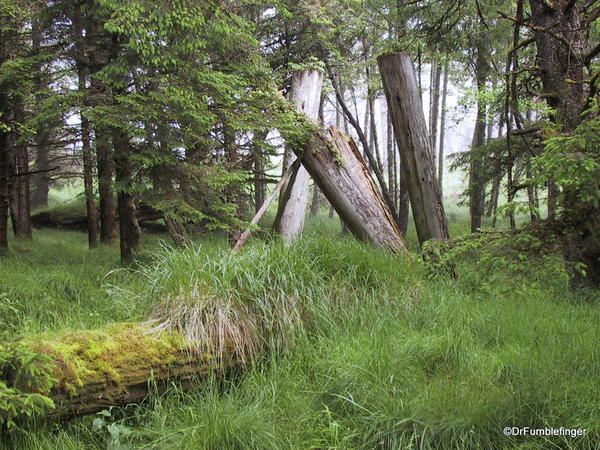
{"x": 359, "y": 349}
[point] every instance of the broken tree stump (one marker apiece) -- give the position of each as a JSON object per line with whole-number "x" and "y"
{"x": 416, "y": 155}
{"x": 305, "y": 95}
{"x": 336, "y": 166}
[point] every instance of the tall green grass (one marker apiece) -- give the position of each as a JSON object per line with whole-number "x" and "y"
{"x": 381, "y": 357}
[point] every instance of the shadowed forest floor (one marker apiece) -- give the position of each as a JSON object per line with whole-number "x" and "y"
{"x": 391, "y": 358}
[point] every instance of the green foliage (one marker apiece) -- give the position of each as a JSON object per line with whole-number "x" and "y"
{"x": 22, "y": 372}
{"x": 495, "y": 261}
{"x": 573, "y": 161}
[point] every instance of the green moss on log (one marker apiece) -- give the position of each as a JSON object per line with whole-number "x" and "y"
{"x": 108, "y": 355}
{"x": 88, "y": 371}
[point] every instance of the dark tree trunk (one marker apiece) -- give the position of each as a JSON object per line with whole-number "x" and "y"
{"x": 105, "y": 164}
{"x": 404, "y": 202}
{"x": 41, "y": 180}
{"x": 416, "y": 155}
{"x": 98, "y": 45}
{"x": 476, "y": 184}
{"x": 562, "y": 46}
{"x": 129, "y": 230}
{"x": 4, "y": 174}
{"x": 86, "y": 136}
{"x": 18, "y": 182}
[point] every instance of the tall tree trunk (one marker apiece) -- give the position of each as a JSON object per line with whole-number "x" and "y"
{"x": 305, "y": 96}
{"x": 416, "y": 155}
{"x": 41, "y": 180}
{"x": 434, "y": 103}
{"x": 18, "y": 182}
{"x": 403, "y": 201}
{"x": 562, "y": 50}
{"x": 129, "y": 230}
{"x": 22, "y": 190}
{"x": 259, "y": 168}
{"x": 443, "y": 130}
{"x": 98, "y": 46}
{"x": 4, "y": 174}
{"x": 86, "y": 135}
{"x": 476, "y": 183}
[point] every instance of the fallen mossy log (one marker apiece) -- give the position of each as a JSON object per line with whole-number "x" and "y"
{"x": 77, "y": 221}
{"x": 88, "y": 371}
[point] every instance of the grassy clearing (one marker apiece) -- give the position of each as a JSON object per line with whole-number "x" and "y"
{"x": 373, "y": 353}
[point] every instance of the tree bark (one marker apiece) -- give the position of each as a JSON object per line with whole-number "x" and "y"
{"x": 86, "y": 135}
{"x": 129, "y": 229}
{"x": 41, "y": 180}
{"x": 434, "y": 103}
{"x": 416, "y": 155}
{"x": 443, "y": 131}
{"x": 476, "y": 184}
{"x": 562, "y": 46}
{"x": 389, "y": 200}
{"x": 305, "y": 97}
{"x": 4, "y": 173}
{"x": 336, "y": 166}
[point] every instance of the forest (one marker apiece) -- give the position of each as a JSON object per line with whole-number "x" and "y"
{"x": 320, "y": 224}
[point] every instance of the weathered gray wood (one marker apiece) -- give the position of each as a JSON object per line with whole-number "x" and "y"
{"x": 336, "y": 166}
{"x": 263, "y": 208}
{"x": 416, "y": 155}
{"x": 305, "y": 96}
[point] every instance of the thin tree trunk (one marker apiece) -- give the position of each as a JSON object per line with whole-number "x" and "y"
{"x": 259, "y": 169}
{"x": 305, "y": 96}
{"x": 4, "y": 174}
{"x": 41, "y": 180}
{"x": 402, "y": 93}
{"x": 86, "y": 137}
{"x": 434, "y": 103}
{"x": 129, "y": 230}
{"x": 443, "y": 130}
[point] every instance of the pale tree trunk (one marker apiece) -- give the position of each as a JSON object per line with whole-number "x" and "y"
{"x": 443, "y": 131}
{"x": 305, "y": 97}
{"x": 416, "y": 155}
{"x": 339, "y": 170}
{"x": 389, "y": 200}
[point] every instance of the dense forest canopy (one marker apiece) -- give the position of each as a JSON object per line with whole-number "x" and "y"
{"x": 204, "y": 120}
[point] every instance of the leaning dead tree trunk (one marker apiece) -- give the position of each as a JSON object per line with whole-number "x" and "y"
{"x": 113, "y": 366}
{"x": 305, "y": 97}
{"x": 338, "y": 169}
{"x": 416, "y": 155}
